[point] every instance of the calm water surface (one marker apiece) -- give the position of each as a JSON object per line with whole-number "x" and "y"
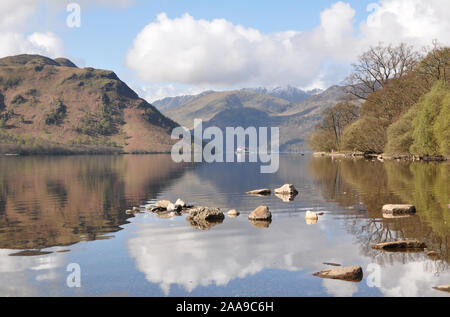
{"x": 60, "y": 210}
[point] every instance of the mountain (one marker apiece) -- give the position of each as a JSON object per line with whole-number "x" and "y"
{"x": 52, "y": 106}
{"x": 258, "y": 108}
{"x": 172, "y": 102}
{"x": 289, "y": 93}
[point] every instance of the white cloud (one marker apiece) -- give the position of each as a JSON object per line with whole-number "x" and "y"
{"x": 15, "y": 26}
{"x": 220, "y": 53}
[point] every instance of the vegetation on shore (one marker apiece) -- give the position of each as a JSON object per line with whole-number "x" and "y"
{"x": 406, "y": 108}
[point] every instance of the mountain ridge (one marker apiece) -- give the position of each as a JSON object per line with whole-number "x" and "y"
{"x": 49, "y": 105}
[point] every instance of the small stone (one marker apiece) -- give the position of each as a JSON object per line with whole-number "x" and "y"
{"x": 350, "y": 273}
{"x": 260, "y": 213}
{"x": 233, "y": 213}
{"x": 311, "y": 215}
{"x": 173, "y": 207}
{"x": 180, "y": 203}
{"x": 432, "y": 254}
{"x": 136, "y": 209}
{"x": 163, "y": 204}
{"x": 286, "y": 189}
{"x": 262, "y": 192}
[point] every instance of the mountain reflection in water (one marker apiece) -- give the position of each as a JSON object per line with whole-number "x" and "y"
{"x": 60, "y": 210}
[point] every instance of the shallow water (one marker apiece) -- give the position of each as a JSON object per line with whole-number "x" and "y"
{"x": 60, "y": 210}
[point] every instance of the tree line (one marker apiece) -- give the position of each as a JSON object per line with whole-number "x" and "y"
{"x": 405, "y": 109}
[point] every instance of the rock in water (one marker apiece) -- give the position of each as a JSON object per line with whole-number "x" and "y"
{"x": 262, "y": 192}
{"x": 443, "y": 288}
{"x": 163, "y": 204}
{"x": 286, "y": 189}
{"x": 285, "y": 197}
{"x": 397, "y": 210}
{"x": 311, "y": 215}
{"x": 260, "y": 213}
{"x": 174, "y": 207}
{"x": 205, "y": 213}
{"x": 407, "y": 245}
{"x": 233, "y": 213}
{"x": 180, "y": 203}
{"x": 350, "y": 273}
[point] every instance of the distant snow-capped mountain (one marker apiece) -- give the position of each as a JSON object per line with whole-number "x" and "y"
{"x": 289, "y": 93}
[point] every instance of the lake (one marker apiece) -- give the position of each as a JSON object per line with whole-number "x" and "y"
{"x": 56, "y": 211}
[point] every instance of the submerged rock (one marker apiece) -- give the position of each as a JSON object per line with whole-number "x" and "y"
{"x": 287, "y": 189}
{"x": 406, "y": 245}
{"x": 350, "y": 273}
{"x": 262, "y": 192}
{"x": 398, "y": 210}
{"x": 262, "y": 224}
{"x": 260, "y": 213}
{"x": 233, "y": 213}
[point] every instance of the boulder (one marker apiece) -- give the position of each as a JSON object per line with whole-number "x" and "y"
{"x": 262, "y": 192}
{"x": 233, "y": 213}
{"x": 260, "y": 213}
{"x": 443, "y": 288}
{"x": 163, "y": 204}
{"x": 350, "y": 273}
{"x": 406, "y": 245}
{"x": 287, "y": 189}
{"x": 398, "y": 210}
{"x": 205, "y": 213}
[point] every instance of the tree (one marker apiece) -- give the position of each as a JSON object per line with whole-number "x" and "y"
{"x": 327, "y": 135}
{"x": 430, "y": 134}
{"x": 376, "y": 67}
{"x": 436, "y": 65}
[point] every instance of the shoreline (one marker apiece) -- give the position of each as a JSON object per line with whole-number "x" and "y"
{"x": 382, "y": 157}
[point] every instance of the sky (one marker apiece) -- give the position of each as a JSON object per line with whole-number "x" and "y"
{"x": 173, "y": 47}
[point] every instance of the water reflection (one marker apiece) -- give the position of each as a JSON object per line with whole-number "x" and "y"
{"x": 366, "y": 186}
{"x": 57, "y": 201}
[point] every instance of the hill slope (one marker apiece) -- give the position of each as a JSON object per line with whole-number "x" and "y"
{"x": 53, "y": 106}
{"x": 259, "y": 109}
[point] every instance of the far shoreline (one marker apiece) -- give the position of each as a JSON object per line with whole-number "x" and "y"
{"x": 382, "y": 157}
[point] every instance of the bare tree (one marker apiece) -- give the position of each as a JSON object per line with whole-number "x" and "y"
{"x": 336, "y": 118}
{"x": 436, "y": 65}
{"x": 376, "y": 67}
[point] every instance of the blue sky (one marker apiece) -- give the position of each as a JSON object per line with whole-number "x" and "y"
{"x": 306, "y": 44}
{"x": 107, "y": 34}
